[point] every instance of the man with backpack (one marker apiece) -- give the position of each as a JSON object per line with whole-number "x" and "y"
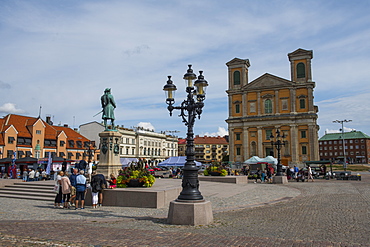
{"x": 98, "y": 184}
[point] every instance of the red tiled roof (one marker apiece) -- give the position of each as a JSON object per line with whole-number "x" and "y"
{"x": 182, "y": 141}
{"x": 22, "y": 124}
{"x": 210, "y": 140}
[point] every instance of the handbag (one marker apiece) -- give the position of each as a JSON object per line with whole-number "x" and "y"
{"x": 56, "y": 188}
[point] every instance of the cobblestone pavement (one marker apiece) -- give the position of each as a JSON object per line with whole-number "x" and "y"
{"x": 320, "y": 213}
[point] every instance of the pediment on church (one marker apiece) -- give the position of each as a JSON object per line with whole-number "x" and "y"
{"x": 267, "y": 81}
{"x": 301, "y": 53}
{"x": 238, "y": 61}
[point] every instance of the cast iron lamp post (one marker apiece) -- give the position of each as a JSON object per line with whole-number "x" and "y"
{"x": 278, "y": 143}
{"x": 190, "y": 108}
{"x": 344, "y": 145}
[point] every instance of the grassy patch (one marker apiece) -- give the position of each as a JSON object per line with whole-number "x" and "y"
{"x": 354, "y": 168}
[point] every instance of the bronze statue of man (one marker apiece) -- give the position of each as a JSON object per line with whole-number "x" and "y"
{"x": 108, "y": 104}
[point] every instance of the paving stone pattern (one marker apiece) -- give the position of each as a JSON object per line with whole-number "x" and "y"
{"x": 320, "y": 213}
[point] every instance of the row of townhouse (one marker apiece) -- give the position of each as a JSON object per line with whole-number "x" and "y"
{"x": 208, "y": 148}
{"x": 33, "y": 137}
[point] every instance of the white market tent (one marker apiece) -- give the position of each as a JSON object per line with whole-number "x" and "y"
{"x": 126, "y": 161}
{"x": 270, "y": 160}
{"x": 253, "y": 160}
{"x": 176, "y": 161}
{"x": 256, "y": 159}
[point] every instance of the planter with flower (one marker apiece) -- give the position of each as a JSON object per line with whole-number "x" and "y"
{"x": 135, "y": 175}
{"x": 215, "y": 170}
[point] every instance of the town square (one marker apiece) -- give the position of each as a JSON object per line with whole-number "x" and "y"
{"x": 184, "y": 123}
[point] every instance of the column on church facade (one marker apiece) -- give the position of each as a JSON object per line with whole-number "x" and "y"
{"x": 231, "y": 145}
{"x": 260, "y": 141}
{"x": 277, "y": 108}
{"x": 259, "y": 103}
{"x": 292, "y": 100}
{"x": 295, "y": 144}
{"x": 245, "y": 143}
{"x": 314, "y": 147}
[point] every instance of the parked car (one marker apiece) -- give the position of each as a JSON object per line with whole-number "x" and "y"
{"x": 162, "y": 172}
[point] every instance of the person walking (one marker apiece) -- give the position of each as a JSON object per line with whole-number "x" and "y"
{"x": 37, "y": 175}
{"x": 66, "y": 188}
{"x": 31, "y": 175}
{"x": 64, "y": 165}
{"x": 97, "y": 187}
{"x": 309, "y": 173}
{"x": 80, "y": 190}
{"x": 25, "y": 175}
{"x": 43, "y": 175}
{"x": 72, "y": 179}
{"x": 296, "y": 170}
{"x": 258, "y": 175}
{"x": 58, "y": 197}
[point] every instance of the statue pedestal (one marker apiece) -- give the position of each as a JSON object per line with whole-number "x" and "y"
{"x": 109, "y": 161}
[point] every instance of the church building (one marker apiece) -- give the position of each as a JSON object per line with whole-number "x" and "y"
{"x": 260, "y": 108}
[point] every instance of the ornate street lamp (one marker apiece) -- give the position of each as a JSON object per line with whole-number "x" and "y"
{"x": 278, "y": 143}
{"x": 190, "y": 108}
{"x": 344, "y": 145}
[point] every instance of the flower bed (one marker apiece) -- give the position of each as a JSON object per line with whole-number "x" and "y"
{"x": 215, "y": 170}
{"x": 134, "y": 175}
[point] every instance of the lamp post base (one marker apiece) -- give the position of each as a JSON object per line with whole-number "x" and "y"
{"x": 279, "y": 180}
{"x": 190, "y": 213}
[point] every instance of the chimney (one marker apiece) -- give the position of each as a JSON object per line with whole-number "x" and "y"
{"x": 48, "y": 120}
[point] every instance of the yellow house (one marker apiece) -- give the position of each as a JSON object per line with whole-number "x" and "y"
{"x": 259, "y": 108}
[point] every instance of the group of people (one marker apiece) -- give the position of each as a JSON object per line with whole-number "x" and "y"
{"x": 33, "y": 175}
{"x": 71, "y": 190}
{"x": 264, "y": 175}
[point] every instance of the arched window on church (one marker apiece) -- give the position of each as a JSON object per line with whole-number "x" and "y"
{"x": 268, "y": 106}
{"x": 301, "y": 73}
{"x": 236, "y": 77}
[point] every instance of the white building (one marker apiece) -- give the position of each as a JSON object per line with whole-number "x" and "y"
{"x": 137, "y": 143}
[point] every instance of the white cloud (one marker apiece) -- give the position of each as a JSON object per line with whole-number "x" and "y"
{"x": 146, "y": 126}
{"x": 11, "y": 108}
{"x": 220, "y": 132}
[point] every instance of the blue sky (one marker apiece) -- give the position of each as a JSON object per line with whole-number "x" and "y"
{"x": 63, "y": 54}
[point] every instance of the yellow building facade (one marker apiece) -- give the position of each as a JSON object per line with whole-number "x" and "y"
{"x": 269, "y": 103}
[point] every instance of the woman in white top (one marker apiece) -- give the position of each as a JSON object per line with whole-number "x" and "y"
{"x": 58, "y": 197}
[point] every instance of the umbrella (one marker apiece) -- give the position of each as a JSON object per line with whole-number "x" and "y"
{"x": 6, "y": 161}
{"x": 26, "y": 160}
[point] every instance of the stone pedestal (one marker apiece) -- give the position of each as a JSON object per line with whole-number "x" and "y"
{"x": 190, "y": 213}
{"x": 109, "y": 161}
{"x": 279, "y": 180}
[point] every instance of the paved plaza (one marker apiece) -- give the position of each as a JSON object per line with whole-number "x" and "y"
{"x": 320, "y": 213}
